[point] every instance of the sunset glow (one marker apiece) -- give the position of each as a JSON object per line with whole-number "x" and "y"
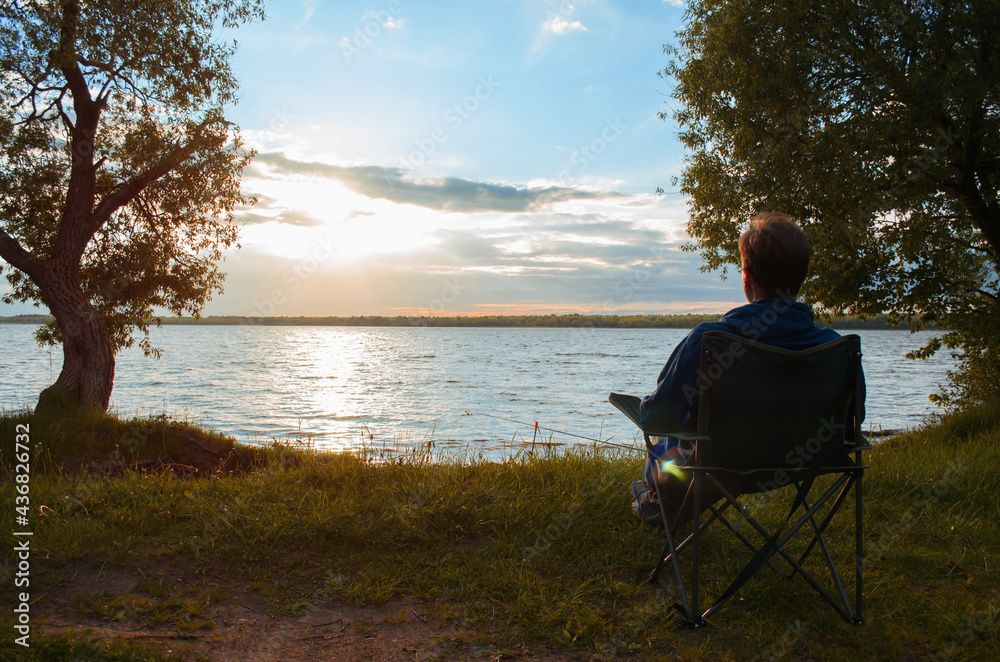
{"x": 509, "y": 153}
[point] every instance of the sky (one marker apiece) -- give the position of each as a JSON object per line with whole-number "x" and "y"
{"x": 461, "y": 158}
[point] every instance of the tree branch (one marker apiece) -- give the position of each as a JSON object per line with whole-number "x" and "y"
{"x": 68, "y": 61}
{"x": 990, "y": 295}
{"x": 67, "y": 122}
{"x": 124, "y": 194}
{"x": 16, "y": 256}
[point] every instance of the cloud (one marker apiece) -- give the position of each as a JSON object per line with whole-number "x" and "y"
{"x": 467, "y": 274}
{"x": 357, "y": 212}
{"x": 393, "y": 23}
{"x": 269, "y": 209}
{"x": 597, "y": 255}
{"x": 558, "y": 25}
{"x": 555, "y": 24}
{"x": 446, "y": 193}
{"x": 288, "y": 217}
{"x": 594, "y": 246}
{"x": 310, "y": 8}
{"x": 400, "y": 241}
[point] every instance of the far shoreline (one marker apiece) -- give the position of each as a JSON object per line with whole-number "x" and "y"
{"x": 565, "y": 321}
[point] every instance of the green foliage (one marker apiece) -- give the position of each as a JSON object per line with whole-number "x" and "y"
{"x": 977, "y": 380}
{"x": 115, "y": 157}
{"x": 876, "y": 123}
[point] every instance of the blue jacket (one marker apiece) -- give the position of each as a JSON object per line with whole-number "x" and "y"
{"x": 771, "y": 321}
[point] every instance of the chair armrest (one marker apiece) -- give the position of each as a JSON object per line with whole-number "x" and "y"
{"x": 682, "y": 436}
{"x": 626, "y": 404}
{"x": 859, "y": 443}
{"x": 685, "y": 436}
{"x": 629, "y": 405}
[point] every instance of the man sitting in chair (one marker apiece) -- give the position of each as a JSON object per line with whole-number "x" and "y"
{"x": 775, "y": 261}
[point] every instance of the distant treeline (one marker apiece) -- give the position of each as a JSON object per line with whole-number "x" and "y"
{"x": 26, "y": 319}
{"x": 556, "y": 321}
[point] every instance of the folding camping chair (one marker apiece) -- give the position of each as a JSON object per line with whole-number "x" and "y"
{"x": 769, "y": 418}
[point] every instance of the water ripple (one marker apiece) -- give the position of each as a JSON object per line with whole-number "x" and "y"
{"x": 413, "y": 385}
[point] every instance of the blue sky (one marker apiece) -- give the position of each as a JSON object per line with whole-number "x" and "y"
{"x": 461, "y": 158}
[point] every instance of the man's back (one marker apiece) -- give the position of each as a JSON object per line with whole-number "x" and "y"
{"x": 674, "y": 403}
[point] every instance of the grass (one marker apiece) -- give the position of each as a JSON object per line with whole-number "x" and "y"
{"x": 80, "y": 646}
{"x": 177, "y": 613}
{"x": 532, "y": 550}
{"x": 95, "y": 443}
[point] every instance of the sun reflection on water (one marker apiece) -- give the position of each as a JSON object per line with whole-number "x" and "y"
{"x": 335, "y": 370}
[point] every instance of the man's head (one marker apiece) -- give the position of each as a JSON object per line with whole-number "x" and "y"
{"x": 775, "y": 254}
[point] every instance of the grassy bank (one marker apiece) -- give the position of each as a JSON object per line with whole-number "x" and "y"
{"x": 533, "y": 553}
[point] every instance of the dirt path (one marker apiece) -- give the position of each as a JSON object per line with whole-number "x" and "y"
{"x": 207, "y": 615}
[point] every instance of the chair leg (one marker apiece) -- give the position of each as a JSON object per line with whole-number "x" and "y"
{"x": 852, "y": 616}
{"x": 669, "y": 547}
{"x": 690, "y": 610}
{"x": 844, "y": 608}
{"x": 695, "y": 617}
{"x": 829, "y": 560}
{"x": 859, "y": 505}
{"x": 715, "y": 515}
{"x": 778, "y": 548}
{"x": 826, "y": 520}
{"x": 678, "y": 576}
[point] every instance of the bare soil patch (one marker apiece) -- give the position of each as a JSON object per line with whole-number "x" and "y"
{"x": 238, "y": 623}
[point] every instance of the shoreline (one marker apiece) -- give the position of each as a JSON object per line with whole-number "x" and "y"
{"x": 565, "y": 321}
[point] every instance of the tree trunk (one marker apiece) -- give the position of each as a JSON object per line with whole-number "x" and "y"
{"x": 88, "y": 371}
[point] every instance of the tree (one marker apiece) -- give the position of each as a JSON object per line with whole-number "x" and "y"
{"x": 876, "y": 122}
{"x": 119, "y": 174}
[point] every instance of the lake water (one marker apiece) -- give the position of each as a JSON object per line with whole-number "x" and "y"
{"x": 405, "y": 385}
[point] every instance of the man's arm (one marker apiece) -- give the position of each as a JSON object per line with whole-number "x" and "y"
{"x": 673, "y": 405}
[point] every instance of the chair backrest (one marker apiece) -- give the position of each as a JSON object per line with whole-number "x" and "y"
{"x": 768, "y": 408}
